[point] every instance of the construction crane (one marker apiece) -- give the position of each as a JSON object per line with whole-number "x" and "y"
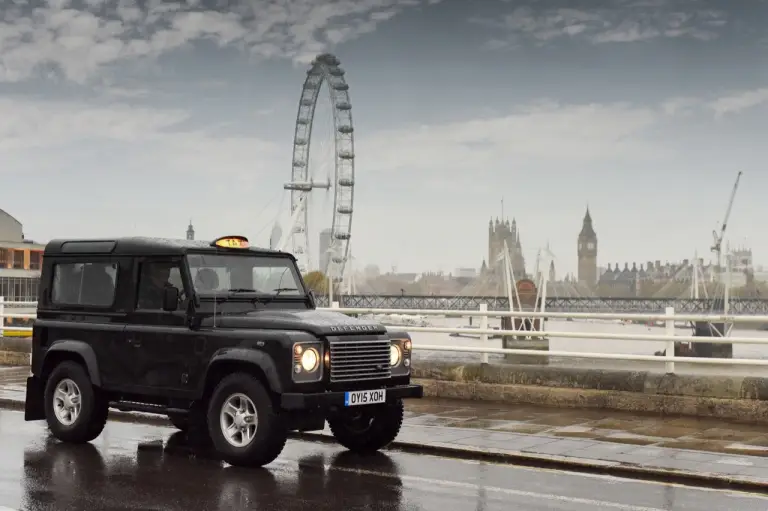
{"x": 717, "y": 247}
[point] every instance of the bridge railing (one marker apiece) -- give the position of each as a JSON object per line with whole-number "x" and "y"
{"x": 669, "y": 336}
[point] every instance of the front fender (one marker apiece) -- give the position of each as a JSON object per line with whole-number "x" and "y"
{"x": 84, "y": 350}
{"x": 258, "y": 358}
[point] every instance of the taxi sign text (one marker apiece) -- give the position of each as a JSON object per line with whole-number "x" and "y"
{"x": 232, "y": 242}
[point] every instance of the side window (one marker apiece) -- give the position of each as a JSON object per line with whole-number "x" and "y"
{"x": 85, "y": 284}
{"x": 154, "y": 277}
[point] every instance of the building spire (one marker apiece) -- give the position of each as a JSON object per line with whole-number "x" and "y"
{"x": 190, "y": 231}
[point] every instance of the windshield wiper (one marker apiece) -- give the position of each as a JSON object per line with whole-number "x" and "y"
{"x": 268, "y": 298}
{"x": 242, "y": 290}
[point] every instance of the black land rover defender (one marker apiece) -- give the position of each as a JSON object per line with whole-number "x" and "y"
{"x": 223, "y": 338}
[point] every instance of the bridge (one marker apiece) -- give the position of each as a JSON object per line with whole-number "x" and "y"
{"x": 739, "y": 306}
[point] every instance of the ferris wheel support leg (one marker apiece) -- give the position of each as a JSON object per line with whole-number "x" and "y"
{"x": 288, "y": 235}
{"x": 307, "y": 252}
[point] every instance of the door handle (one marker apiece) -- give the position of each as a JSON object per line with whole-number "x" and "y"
{"x": 134, "y": 342}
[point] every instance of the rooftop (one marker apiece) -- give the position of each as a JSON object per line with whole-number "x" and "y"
{"x": 143, "y": 245}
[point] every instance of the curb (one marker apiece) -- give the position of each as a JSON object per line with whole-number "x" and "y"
{"x": 545, "y": 461}
{"x": 582, "y": 465}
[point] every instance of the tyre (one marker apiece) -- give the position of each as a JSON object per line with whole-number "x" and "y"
{"x": 75, "y": 410}
{"x": 243, "y": 424}
{"x": 369, "y": 429}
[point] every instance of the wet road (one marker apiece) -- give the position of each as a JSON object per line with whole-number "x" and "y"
{"x": 128, "y": 468}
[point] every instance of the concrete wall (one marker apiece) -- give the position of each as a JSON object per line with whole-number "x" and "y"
{"x": 742, "y": 398}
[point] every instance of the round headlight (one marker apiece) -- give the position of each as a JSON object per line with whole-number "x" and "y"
{"x": 309, "y": 360}
{"x": 394, "y": 355}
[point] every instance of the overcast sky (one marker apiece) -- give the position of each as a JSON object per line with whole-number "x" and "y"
{"x": 130, "y": 118}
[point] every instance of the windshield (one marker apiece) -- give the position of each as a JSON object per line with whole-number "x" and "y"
{"x": 215, "y": 274}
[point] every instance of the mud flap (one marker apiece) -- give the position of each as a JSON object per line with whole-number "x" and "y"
{"x": 34, "y": 409}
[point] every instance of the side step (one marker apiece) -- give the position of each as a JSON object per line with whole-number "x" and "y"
{"x": 130, "y": 406}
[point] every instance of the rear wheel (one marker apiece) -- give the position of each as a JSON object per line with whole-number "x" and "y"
{"x": 244, "y": 426}
{"x": 369, "y": 429}
{"x": 75, "y": 410}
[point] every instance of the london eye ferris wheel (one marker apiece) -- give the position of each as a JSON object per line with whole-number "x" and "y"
{"x": 304, "y": 177}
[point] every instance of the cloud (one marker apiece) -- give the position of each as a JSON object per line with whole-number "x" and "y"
{"x": 615, "y": 23}
{"x": 545, "y": 133}
{"x": 39, "y": 128}
{"x": 730, "y": 103}
{"x": 739, "y": 101}
{"x": 79, "y": 38}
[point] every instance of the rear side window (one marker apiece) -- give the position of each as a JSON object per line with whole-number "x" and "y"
{"x": 85, "y": 284}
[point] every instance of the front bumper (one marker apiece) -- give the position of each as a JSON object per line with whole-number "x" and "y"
{"x": 326, "y": 400}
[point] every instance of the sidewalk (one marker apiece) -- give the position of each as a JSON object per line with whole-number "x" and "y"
{"x": 708, "y": 450}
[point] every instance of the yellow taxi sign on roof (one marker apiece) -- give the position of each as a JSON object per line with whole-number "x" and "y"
{"x": 231, "y": 242}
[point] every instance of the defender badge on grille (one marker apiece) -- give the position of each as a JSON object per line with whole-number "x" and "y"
{"x": 353, "y": 328}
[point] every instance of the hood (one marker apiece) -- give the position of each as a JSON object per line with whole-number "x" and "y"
{"x": 317, "y": 322}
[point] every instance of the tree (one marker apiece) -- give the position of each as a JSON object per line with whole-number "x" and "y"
{"x": 317, "y": 282}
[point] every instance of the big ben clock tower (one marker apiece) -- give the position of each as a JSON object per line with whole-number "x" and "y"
{"x": 587, "y": 252}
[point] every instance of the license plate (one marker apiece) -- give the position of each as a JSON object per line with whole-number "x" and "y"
{"x": 365, "y": 397}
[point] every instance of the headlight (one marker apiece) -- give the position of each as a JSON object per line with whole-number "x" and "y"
{"x": 400, "y": 357}
{"x": 394, "y": 355}
{"x": 309, "y": 360}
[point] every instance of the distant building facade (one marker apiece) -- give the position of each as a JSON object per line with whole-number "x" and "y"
{"x": 21, "y": 261}
{"x": 324, "y": 245}
{"x": 499, "y": 232}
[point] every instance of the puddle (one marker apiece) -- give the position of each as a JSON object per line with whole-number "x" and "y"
{"x": 628, "y": 438}
{"x": 481, "y": 423}
{"x": 732, "y": 435}
{"x": 622, "y": 424}
{"x": 523, "y": 427}
{"x": 434, "y": 420}
{"x": 560, "y": 420}
{"x": 521, "y": 414}
{"x": 661, "y": 430}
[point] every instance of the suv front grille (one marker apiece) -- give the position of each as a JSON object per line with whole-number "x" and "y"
{"x": 356, "y": 359}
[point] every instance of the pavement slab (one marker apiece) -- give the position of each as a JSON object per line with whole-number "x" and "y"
{"x": 588, "y": 438}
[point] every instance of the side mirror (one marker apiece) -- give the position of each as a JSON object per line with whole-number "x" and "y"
{"x": 312, "y": 299}
{"x": 170, "y": 299}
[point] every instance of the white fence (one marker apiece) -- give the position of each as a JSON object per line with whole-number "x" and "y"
{"x": 669, "y": 337}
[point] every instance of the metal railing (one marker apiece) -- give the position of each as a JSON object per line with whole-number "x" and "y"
{"x": 669, "y": 337}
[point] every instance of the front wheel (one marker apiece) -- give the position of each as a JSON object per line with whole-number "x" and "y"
{"x": 75, "y": 410}
{"x": 369, "y": 429}
{"x": 244, "y": 426}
